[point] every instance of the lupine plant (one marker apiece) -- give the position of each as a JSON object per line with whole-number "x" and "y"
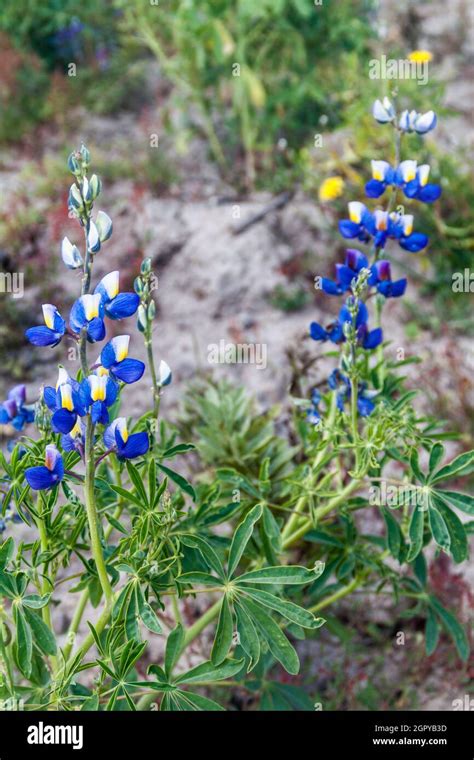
{"x": 260, "y": 536}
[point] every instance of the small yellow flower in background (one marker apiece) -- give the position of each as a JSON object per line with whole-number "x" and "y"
{"x": 420, "y": 56}
{"x": 331, "y": 188}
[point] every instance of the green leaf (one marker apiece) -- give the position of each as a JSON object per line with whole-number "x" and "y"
{"x": 461, "y": 465}
{"x": 210, "y": 556}
{"x": 180, "y": 448}
{"x": 6, "y": 552}
{"x": 174, "y": 646}
{"x": 453, "y": 627}
{"x": 436, "y": 456}
{"x": 248, "y": 636}
{"x": 289, "y": 610}
{"x": 394, "y": 533}
{"x": 439, "y": 529}
{"x": 137, "y": 481}
{"x": 42, "y": 635}
{"x": 415, "y": 467}
{"x": 431, "y": 633}
{"x": 147, "y": 615}
{"x": 270, "y": 536}
{"x": 188, "y": 700}
{"x": 223, "y": 637}
{"x": 459, "y": 547}
{"x": 206, "y": 671}
{"x": 462, "y": 501}
{"x": 282, "y": 574}
{"x": 277, "y": 642}
{"x": 415, "y": 532}
{"x": 242, "y": 537}
{"x": 35, "y": 601}
{"x": 205, "y": 579}
{"x": 23, "y": 642}
{"x": 127, "y": 495}
{"x": 179, "y": 480}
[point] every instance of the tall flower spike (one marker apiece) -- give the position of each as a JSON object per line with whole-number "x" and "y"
{"x": 53, "y": 330}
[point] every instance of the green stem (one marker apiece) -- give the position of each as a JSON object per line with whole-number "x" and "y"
{"x": 46, "y": 584}
{"x": 342, "y": 592}
{"x": 320, "y": 512}
{"x": 301, "y": 503}
{"x": 94, "y": 527}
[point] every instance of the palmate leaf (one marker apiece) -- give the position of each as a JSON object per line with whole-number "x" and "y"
{"x": 394, "y": 534}
{"x": 188, "y": 701}
{"x": 173, "y": 649}
{"x": 209, "y": 555}
{"x": 431, "y": 633}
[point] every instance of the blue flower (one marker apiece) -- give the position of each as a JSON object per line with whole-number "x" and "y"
{"x": 88, "y": 312}
{"x": 117, "y": 438}
{"x": 412, "y": 121}
{"x": 116, "y": 305}
{"x": 341, "y": 383}
{"x": 381, "y": 225}
{"x": 65, "y": 402}
{"x": 53, "y": 330}
{"x": 14, "y": 411}
{"x": 47, "y": 475}
{"x": 335, "y": 331}
{"x": 75, "y": 439}
{"x": 313, "y": 415}
{"x": 114, "y": 357}
{"x": 98, "y": 392}
{"x": 411, "y": 178}
{"x": 383, "y": 111}
{"x": 381, "y": 277}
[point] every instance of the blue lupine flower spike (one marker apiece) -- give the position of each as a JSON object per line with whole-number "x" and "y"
{"x": 117, "y": 438}
{"x": 116, "y": 305}
{"x": 53, "y": 330}
{"x": 114, "y": 357}
{"x": 48, "y": 475}
{"x": 342, "y": 385}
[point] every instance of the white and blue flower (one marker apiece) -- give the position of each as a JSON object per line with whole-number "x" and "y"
{"x": 48, "y": 475}
{"x": 411, "y": 178}
{"x": 412, "y": 121}
{"x": 116, "y": 305}
{"x": 51, "y": 332}
{"x": 114, "y": 357}
{"x": 65, "y": 403}
{"x": 98, "y": 392}
{"x": 88, "y": 312}
{"x": 126, "y": 446}
{"x": 381, "y": 226}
